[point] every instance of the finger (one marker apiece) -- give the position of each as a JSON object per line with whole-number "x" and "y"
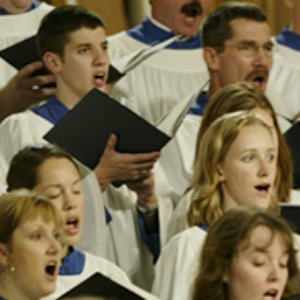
{"x": 141, "y": 157}
{"x": 112, "y": 141}
{"x": 30, "y": 68}
{"x": 40, "y": 80}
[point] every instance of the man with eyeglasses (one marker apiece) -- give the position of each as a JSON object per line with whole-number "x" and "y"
{"x": 237, "y": 46}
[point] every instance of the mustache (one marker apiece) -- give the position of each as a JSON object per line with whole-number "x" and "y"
{"x": 261, "y": 72}
{"x": 192, "y": 9}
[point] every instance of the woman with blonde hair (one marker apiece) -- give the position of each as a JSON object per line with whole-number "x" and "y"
{"x": 240, "y": 96}
{"x": 238, "y": 166}
{"x": 30, "y": 250}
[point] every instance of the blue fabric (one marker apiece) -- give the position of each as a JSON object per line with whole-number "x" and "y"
{"x": 289, "y": 39}
{"x": 53, "y": 110}
{"x": 203, "y": 227}
{"x": 151, "y": 34}
{"x": 152, "y": 240}
{"x": 1, "y": 298}
{"x": 201, "y": 103}
{"x": 73, "y": 263}
{"x": 34, "y": 5}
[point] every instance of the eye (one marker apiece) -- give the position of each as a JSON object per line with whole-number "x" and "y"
{"x": 104, "y": 47}
{"x": 248, "y": 158}
{"x": 83, "y": 50}
{"x": 36, "y": 236}
{"x": 57, "y": 235}
{"x": 271, "y": 157}
{"x": 269, "y": 48}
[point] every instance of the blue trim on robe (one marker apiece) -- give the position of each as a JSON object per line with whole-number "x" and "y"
{"x": 73, "y": 263}
{"x": 53, "y": 110}
{"x": 289, "y": 39}
{"x": 201, "y": 103}
{"x": 150, "y": 34}
{"x": 203, "y": 227}
{"x": 152, "y": 240}
{"x": 33, "y": 6}
{"x": 1, "y": 298}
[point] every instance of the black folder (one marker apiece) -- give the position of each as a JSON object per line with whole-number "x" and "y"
{"x": 292, "y": 137}
{"x": 291, "y": 213}
{"x": 99, "y": 286}
{"x": 85, "y": 129}
{"x": 23, "y": 53}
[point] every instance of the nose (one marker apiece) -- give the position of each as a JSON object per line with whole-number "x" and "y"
{"x": 264, "y": 168}
{"x": 275, "y": 272}
{"x": 69, "y": 201}
{"x": 261, "y": 58}
{"x": 100, "y": 56}
{"x": 55, "y": 247}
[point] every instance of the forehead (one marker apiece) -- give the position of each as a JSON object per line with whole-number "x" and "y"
{"x": 87, "y": 35}
{"x": 250, "y": 30}
{"x": 252, "y": 137}
{"x": 262, "y": 237}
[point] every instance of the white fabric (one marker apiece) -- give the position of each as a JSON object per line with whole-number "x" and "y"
{"x": 155, "y": 86}
{"x": 94, "y": 264}
{"x": 120, "y": 240}
{"x": 283, "y": 87}
{"x": 178, "y": 264}
{"x": 15, "y": 28}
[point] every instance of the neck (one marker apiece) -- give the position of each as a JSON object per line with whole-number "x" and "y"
{"x": 67, "y": 96}
{"x": 215, "y": 84}
{"x": 8, "y": 289}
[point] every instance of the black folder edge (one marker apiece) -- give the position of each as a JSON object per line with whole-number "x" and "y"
{"x": 100, "y": 285}
{"x": 57, "y": 135}
{"x": 291, "y": 213}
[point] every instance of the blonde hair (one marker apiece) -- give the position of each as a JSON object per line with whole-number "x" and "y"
{"x": 245, "y": 96}
{"x": 207, "y": 198}
{"x": 23, "y": 205}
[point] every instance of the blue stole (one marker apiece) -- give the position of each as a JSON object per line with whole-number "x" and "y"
{"x": 198, "y": 108}
{"x": 73, "y": 263}
{"x": 150, "y": 34}
{"x": 152, "y": 240}
{"x": 33, "y": 6}
{"x": 53, "y": 110}
{"x": 203, "y": 227}
{"x": 289, "y": 39}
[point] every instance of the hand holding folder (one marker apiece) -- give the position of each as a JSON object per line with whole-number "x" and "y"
{"x": 85, "y": 130}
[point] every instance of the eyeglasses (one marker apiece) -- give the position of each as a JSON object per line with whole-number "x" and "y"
{"x": 251, "y": 49}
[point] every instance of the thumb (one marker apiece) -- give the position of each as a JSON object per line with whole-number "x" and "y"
{"x": 112, "y": 141}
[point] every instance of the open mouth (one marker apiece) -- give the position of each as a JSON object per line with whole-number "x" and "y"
{"x": 258, "y": 78}
{"x": 51, "y": 268}
{"x": 72, "y": 225}
{"x": 99, "y": 79}
{"x": 263, "y": 188}
{"x": 192, "y": 9}
{"x": 271, "y": 294}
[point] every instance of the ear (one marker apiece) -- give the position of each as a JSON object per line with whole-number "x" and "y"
{"x": 53, "y": 62}
{"x": 4, "y": 255}
{"x": 220, "y": 173}
{"x": 211, "y": 57}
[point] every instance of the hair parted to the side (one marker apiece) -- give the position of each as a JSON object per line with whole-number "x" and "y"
{"x": 207, "y": 198}
{"x": 244, "y": 96}
{"x": 224, "y": 241}
{"x": 23, "y": 205}
{"x": 23, "y": 170}
{"x": 217, "y": 29}
{"x": 56, "y": 26}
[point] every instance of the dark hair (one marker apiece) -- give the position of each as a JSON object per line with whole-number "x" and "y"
{"x": 223, "y": 242}
{"x": 23, "y": 170}
{"x": 54, "y": 30}
{"x": 217, "y": 29}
